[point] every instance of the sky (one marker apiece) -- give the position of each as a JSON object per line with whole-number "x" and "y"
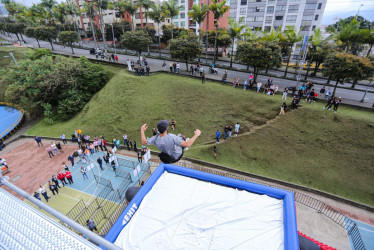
{"x": 335, "y": 9}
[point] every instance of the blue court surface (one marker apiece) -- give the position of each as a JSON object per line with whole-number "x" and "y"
{"x": 367, "y": 234}
{"x": 9, "y": 119}
{"x": 125, "y": 174}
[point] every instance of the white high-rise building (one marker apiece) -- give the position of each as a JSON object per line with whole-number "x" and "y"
{"x": 264, "y": 14}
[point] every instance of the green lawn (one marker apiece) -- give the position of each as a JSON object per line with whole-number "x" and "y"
{"x": 6, "y": 60}
{"x": 310, "y": 146}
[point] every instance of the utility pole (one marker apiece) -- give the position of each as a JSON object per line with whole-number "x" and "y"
{"x": 363, "y": 98}
{"x": 207, "y": 29}
{"x": 114, "y": 42}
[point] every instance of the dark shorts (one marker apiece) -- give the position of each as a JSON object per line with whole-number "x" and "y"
{"x": 167, "y": 159}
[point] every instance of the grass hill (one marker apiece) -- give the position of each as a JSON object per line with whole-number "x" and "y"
{"x": 332, "y": 152}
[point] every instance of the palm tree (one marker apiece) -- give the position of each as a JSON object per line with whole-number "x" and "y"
{"x": 252, "y": 35}
{"x": 90, "y": 11}
{"x": 171, "y": 9}
{"x": 157, "y": 15}
{"x": 235, "y": 31}
{"x": 72, "y": 10}
{"x": 292, "y": 37}
{"x": 146, "y": 4}
{"x": 120, "y": 7}
{"x": 60, "y": 13}
{"x": 219, "y": 9}
{"x": 48, "y": 5}
{"x": 316, "y": 41}
{"x": 131, "y": 8}
{"x": 35, "y": 15}
{"x": 198, "y": 14}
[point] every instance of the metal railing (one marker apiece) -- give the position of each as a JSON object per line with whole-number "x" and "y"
{"x": 102, "y": 181}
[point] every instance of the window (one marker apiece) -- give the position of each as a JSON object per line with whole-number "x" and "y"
{"x": 260, "y": 9}
{"x": 278, "y": 18}
{"x": 137, "y": 15}
{"x": 182, "y": 1}
{"x": 281, "y": 7}
{"x": 243, "y": 10}
{"x": 182, "y": 8}
{"x": 310, "y": 6}
{"x": 259, "y": 19}
{"x": 251, "y": 9}
{"x": 183, "y": 23}
{"x": 313, "y": 27}
{"x": 258, "y": 1}
{"x": 243, "y": 2}
{"x": 293, "y": 8}
{"x": 294, "y": 1}
{"x": 319, "y": 6}
{"x": 316, "y": 18}
{"x": 183, "y": 15}
{"x": 270, "y": 10}
{"x": 176, "y": 23}
{"x": 118, "y": 15}
{"x": 251, "y": 19}
{"x": 305, "y": 28}
{"x": 308, "y": 18}
{"x": 291, "y": 19}
{"x": 268, "y": 19}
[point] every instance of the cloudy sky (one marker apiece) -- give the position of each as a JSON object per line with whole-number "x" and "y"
{"x": 335, "y": 9}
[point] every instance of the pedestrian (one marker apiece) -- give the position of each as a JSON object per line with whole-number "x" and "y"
{"x": 113, "y": 57}
{"x": 132, "y": 65}
{"x": 154, "y": 131}
{"x": 230, "y": 131}
{"x": 129, "y": 145}
{"x": 191, "y": 69}
{"x": 218, "y": 135}
{"x": 322, "y": 91}
{"x": 301, "y": 93}
{"x": 266, "y": 88}
{"x": 100, "y": 161}
{"x": 87, "y": 154}
{"x": 3, "y": 163}
{"x": 270, "y": 81}
{"x": 336, "y": 103}
{"x": 106, "y": 159}
{"x": 283, "y": 108}
{"x": 91, "y": 225}
{"x": 164, "y": 65}
{"x": 293, "y": 92}
{"x": 173, "y": 124}
{"x": 148, "y": 69}
{"x": 203, "y": 77}
{"x": 100, "y": 144}
{"x": 113, "y": 163}
{"x": 285, "y": 93}
{"x": 61, "y": 177}
{"x": 103, "y": 142}
{"x": 224, "y": 78}
{"x": 171, "y": 146}
{"x": 140, "y": 156}
{"x": 330, "y": 102}
{"x": 215, "y": 151}
{"x": 259, "y": 84}
{"x": 37, "y": 196}
{"x": 245, "y": 85}
{"x": 69, "y": 177}
{"x": 135, "y": 147}
{"x": 237, "y": 126}
{"x": 171, "y": 66}
{"x": 116, "y": 58}
{"x": 44, "y": 193}
{"x": 39, "y": 141}
{"x": 84, "y": 174}
{"x": 251, "y": 85}
{"x": 174, "y": 67}
{"x": 53, "y": 188}
{"x": 66, "y": 168}
{"x": 178, "y": 66}
{"x": 55, "y": 181}
{"x": 226, "y": 132}
{"x": 59, "y": 148}
{"x": 49, "y": 150}
{"x": 310, "y": 97}
{"x": 71, "y": 159}
{"x": 63, "y": 138}
{"x": 294, "y": 103}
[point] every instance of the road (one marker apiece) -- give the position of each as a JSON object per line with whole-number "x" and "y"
{"x": 349, "y": 96}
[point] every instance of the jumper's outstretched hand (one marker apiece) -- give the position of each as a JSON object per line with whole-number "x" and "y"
{"x": 144, "y": 128}
{"x": 197, "y": 132}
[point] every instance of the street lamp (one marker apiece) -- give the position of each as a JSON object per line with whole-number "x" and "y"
{"x": 358, "y": 11}
{"x": 114, "y": 42}
{"x": 362, "y": 100}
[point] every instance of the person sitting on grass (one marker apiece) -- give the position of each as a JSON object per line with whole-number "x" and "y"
{"x": 171, "y": 146}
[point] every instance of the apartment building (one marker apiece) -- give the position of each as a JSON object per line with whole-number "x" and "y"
{"x": 264, "y": 14}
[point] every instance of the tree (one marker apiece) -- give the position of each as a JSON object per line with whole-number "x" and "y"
{"x": 368, "y": 38}
{"x": 342, "y": 66}
{"x": 223, "y": 38}
{"x": 119, "y": 30}
{"x": 158, "y": 16}
{"x": 259, "y": 55}
{"x": 219, "y": 8}
{"x": 198, "y": 14}
{"x": 120, "y": 6}
{"x": 316, "y": 41}
{"x": 186, "y": 48}
{"x": 235, "y": 31}
{"x": 252, "y": 35}
{"x": 146, "y": 4}
{"x": 68, "y": 37}
{"x": 131, "y": 8}
{"x": 60, "y": 13}
{"x": 292, "y": 37}
{"x": 48, "y": 5}
{"x": 171, "y": 9}
{"x": 101, "y": 5}
{"x": 46, "y": 34}
{"x": 89, "y": 9}
{"x": 30, "y": 32}
{"x": 136, "y": 40}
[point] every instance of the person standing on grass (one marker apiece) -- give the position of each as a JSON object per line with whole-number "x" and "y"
{"x": 61, "y": 177}
{"x": 245, "y": 85}
{"x": 178, "y": 66}
{"x": 173, "y": 124}
{"x": 336, "y": 103}
{"x": 285, "y": 93}
{"x": 270, "y": 81}
{"x": 230, "y": 131}
{"x": 116, "y": 58}
{"x": 171, "y": 146}
{"x": 100, "y": 161}
{"x": 148, "y": 69}
{"x": 44, "y": 193}
{"x": 215, "y": 151}
{"x": 171, "y": 66}
{"x": 259, "y": 84}
{"x": 226, "y": 132}
{"x": 39, "y": 141}
{"x": 191, "y": 69}
{"x": 251, "y": 85}
{"x": 71, "y": 159}
{"x": 283, "y": 108}
{"x": 294, "y": 103}
{"x": 330, "y": 102}
{"x": 124, "y": 140}
{"x": 164, "y": 66}
{"x": 91, "y": 225}
{"x": 63, "y": 138}
{"x": 53, "y": 188}
{"x": 203, "y": 77}
{"x": 84, "y": 174}
{"x": 49, "y": 150}
{"x": 237, "y": 126}
{"x": 218, "y": 135}
{"x": 224, "y": 78}
{"x": 69, "y": 177}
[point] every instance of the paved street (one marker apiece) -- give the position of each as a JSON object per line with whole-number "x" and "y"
{"x": 349, "y": 96}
